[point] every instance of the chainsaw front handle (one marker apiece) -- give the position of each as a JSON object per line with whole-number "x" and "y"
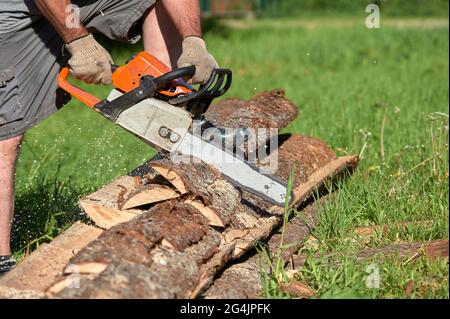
{"x": 83, "y": 96}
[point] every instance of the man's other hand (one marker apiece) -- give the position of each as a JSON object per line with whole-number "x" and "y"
{"x": 195, "y": 53}
{"x": 89, "y": 61}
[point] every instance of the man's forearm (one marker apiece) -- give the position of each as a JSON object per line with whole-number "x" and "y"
{"x": 185, "y": 14}
{"x": 57, "y": 13}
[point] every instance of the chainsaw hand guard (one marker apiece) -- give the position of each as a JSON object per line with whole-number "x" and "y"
{"x": 199, "y": 101}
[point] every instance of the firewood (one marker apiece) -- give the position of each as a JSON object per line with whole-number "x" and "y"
{"x": 206, "y": 189}
{"x": 103, "y": 206}
{"x": 242, "y": 279}
{"x": 152, "y": 239}
{"x": 149, "y": 194}
{"x": 213, "y": 216}
{"x": 85, "y": 268}
{"x": 171, "y": 176}
{"x": 39, "y": 270}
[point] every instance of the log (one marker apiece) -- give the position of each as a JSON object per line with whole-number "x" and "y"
{"x": 195, "y": 251}
{"x": 242, "y": 279}
{"x": 175, "y": 248}
{"x": 267, "y": 110}
{"x": 203, "y": 187}
{"x": 264, "y": 110}
{"x": 40, "y": 269}
{"x": 363, "y": 234}
{"x": 11, "y": 293}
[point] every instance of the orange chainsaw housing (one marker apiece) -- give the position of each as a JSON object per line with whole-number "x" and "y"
{"x": 127, "y": 77}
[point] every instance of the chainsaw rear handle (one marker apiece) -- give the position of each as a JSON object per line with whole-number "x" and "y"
{"x": 91, "y": 100}
{"x": 84, "y": 97}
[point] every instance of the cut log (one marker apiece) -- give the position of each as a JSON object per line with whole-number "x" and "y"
{"x": 206, "y": 190}
{"x": 242, "y": 279}
{"x": 150, "y": 194}
{"x": 131, "y": 249}
{"x": 103, "y": 206}
{"x": 267, "y": 110}
{"x": 175, "y": 248}
{"x": 40, "y": 269}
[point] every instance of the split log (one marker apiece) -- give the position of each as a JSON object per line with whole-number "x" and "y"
{"x": 203, "y": 187}
{"x": 11, "y": 293}
{"x": 173, "y": 233}
{"x": 103, "y": 206}
{"x": 39, "y": 270}
{"x": 242, "y": 279}
{"x": 150, "y": 194}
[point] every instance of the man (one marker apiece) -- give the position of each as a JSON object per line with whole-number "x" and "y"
{"x": 38, "y": 37}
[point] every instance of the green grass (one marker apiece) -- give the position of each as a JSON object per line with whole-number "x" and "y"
{"x": 347, "y": 82}
{"x": 391, "y": 8}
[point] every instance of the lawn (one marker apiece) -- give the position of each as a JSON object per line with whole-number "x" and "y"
{"x": 381, "y": 93}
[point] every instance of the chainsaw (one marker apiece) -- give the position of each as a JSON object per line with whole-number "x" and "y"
{"x": 155, "y": 104}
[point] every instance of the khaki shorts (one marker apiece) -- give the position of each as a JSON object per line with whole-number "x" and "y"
{"x": 31, "y": 55}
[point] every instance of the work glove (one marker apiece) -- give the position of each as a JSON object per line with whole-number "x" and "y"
{"x": 89, "y": 61}
{"x": 195, "y": 53}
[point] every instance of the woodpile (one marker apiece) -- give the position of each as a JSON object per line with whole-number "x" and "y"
{"x": 177, "y": 230}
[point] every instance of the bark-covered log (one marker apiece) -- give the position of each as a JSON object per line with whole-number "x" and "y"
{"x": 39, "y": 270}
{"x": 193, "y": 253}
{"x": 242, "y": 279}
{"x": 267, "y": 110}
{"x": 203, "y": 187}
{"x": 174, "y": 249}
{"x": 264, "y": 110}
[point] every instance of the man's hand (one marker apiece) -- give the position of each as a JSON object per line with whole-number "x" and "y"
{"x": 195, "y": 53}
{"x": 167, "y": 25}
{"x": 89, "y": 61}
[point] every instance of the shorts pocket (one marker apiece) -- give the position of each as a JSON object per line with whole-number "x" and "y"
{"x": 10, "y": 108}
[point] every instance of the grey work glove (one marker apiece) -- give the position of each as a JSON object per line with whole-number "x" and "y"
{"x": 195, "y": 53}
{"x": 89, "y": 61}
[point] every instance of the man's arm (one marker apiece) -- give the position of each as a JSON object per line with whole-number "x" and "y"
{"x": 57, "y": 14}
{"x": 174, "y": 28}
{"x": 185, "y": 15}
{"x": 89, "y": 60}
